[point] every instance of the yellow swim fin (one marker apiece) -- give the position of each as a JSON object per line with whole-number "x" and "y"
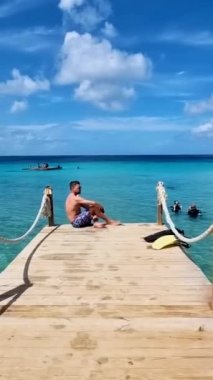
{"x": 164, "y": 241}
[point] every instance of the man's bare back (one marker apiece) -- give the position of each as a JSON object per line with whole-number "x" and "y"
{"x": 73, "y": 207}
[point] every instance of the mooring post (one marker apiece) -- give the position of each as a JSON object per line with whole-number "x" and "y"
{"x": 159, "y": 205}
{"x": 49, "y": 193}
{"x": 211, "y": 303}
{"x": 159, "y": 214}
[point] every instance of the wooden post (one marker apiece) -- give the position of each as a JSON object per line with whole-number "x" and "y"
{"x": 49, "y": 193}
{"x": 211, "y": 303}
{"x": 159, "y": 214}
{"x": 159, "y": 205}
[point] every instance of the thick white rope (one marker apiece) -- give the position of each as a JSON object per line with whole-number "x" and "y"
{"x": 6, "y": 240}
{"x": 162, "y": 200}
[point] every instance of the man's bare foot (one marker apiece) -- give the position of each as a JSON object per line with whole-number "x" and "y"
{"x": 114, "y": 223}
{"x": 99, "y": 225}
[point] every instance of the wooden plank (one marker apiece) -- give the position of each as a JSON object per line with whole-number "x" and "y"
{"x": 108, "y": 311}
{"x": 103, "y": 305}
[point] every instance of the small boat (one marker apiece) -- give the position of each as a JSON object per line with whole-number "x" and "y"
{"x": 43, "y": 167}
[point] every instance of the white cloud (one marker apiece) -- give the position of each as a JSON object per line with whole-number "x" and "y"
{"x": 31, "y": 138}
{"x": 109, "y": 30}
{"x": 203, "y": 38}
{"x": 29, "y": 40}
{"x": 23, "y": 85}
{"x": 12, "y": 7}
{"x": 94, "y": 64}
{"x": 87, "y": 14}
{"x": 68, "y": 5}
{"x": 182, "y": 86}
{"x": 86, "y": 58}
{"x": 37, "y": 128}
{"x": 22, "y": 130}
{"x": 199, "y": 107}
{"x": 57, "y": 138}
{"x": 180, "y": 73}
{"x": 205, "y": 129}
{"x": 88, "y": 18}
{"x": 125, "y": 124}
{"x": 18, "y": 106}
{"x": 103, "y": 95}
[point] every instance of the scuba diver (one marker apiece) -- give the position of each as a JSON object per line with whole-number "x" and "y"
{"x": 193, "y": 211}
{"x": 176, "y": 207}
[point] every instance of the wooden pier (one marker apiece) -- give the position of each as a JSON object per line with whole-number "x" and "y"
{"x": 101, "y": 304}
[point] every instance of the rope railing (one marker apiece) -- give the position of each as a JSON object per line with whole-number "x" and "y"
{"x": 44, "y": 210}
{"x": 162, "y": 196}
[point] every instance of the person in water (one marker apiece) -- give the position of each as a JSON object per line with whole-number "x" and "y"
{"x": 193, "y": 211}
{"x": 92, "y": 210}
{"x": 176, "y": 207}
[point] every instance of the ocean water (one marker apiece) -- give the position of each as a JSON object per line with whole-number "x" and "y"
{"x": 126, "y": 185}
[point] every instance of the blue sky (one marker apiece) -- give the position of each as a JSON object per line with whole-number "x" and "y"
{"x": 106, "y": 77}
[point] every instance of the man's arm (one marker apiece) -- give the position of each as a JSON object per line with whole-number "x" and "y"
{"x": 88, "y": 203}
{"x": 85, "y": 202}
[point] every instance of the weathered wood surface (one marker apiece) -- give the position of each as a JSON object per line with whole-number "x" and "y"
{"x": 101, "y": 304}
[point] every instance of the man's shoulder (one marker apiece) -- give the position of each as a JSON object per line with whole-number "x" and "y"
{"x": 70, "y": 198}
{"x": 74, "y": 198}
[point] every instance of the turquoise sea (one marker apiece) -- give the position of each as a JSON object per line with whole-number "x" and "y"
{"x": 126, "y": 185}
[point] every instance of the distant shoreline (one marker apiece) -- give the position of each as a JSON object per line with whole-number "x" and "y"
{"x": 77, "y": 159}
{"x": 108, "y": 155}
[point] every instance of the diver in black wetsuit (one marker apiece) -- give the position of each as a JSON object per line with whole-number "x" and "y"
{"x": 193, "y": 211}
{"x": 176, "y": 207}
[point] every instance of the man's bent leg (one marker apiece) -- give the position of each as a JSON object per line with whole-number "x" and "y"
{"x": 97, "y": 212}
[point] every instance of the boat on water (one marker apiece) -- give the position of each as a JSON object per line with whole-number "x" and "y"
{"x": 43, "y": 167}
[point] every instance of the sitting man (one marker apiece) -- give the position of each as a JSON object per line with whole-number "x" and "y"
{"x": 90, "y": 215}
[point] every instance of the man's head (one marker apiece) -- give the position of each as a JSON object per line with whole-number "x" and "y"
{"x": 75, "y": 187}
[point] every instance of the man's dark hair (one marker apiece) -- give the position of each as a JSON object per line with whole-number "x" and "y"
{"x": 73, "y": 183}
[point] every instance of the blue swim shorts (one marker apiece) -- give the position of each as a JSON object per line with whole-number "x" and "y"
{"x": 84, "y": 219}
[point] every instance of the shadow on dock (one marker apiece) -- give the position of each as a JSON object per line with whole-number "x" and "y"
{"x": 20, "y": 289}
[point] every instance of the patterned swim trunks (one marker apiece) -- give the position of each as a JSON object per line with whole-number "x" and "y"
{"x": 84, "y": 219}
